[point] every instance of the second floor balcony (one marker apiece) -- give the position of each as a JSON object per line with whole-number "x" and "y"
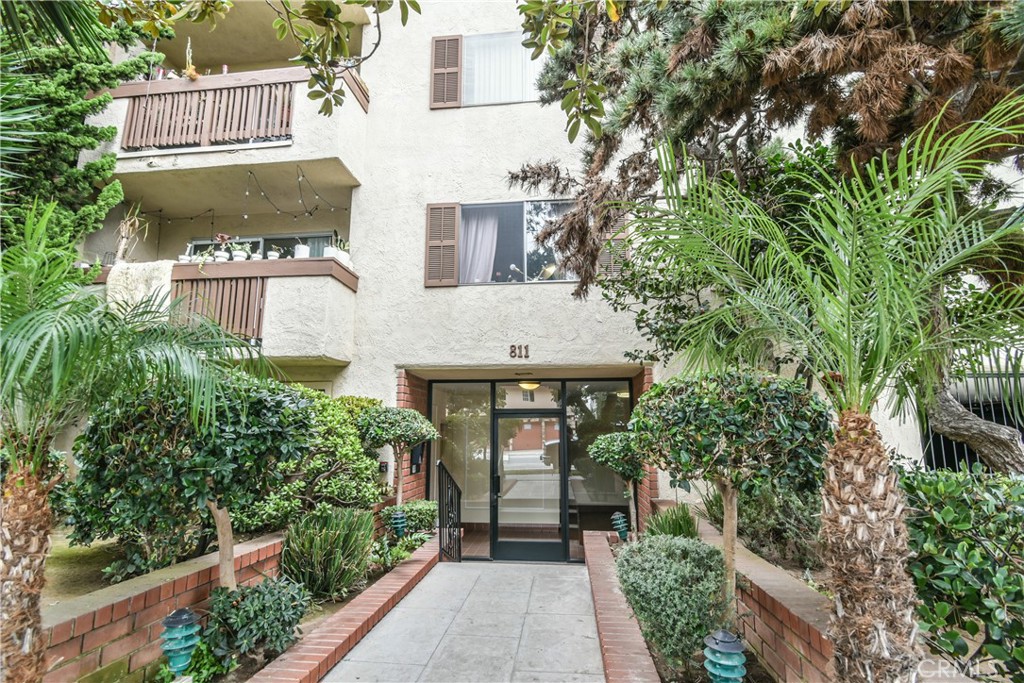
{"x": 238, "y": 119}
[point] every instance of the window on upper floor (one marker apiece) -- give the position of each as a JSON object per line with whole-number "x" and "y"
{"x": 492, "y": 243}
{"x": 471, "y": 244}
{"x": 490, "y": 68}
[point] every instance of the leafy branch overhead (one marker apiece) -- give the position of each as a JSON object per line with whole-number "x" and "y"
{"x": 322, "y": 30}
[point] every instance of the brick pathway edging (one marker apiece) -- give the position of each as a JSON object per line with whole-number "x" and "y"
{"x": 311, "y": 658}
{"x": 623, "y": 648}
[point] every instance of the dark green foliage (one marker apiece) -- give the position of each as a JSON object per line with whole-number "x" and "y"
{"x": 147, "y": 472}
{"x": 737, "y": 424}
{"x": 776, "y": 522}
{"x": 336, "y": 472}
{"x": 617, "y": 452}
{"x": 674, "y": 586}
{"x": 204, "y": 667}
{"x": 388, "y": 552}
{"x": 675, "y": 521}
{"x": 400, "y": 428}
{"x": 420, "y": 515}
{"x": 59, "y": 79}
{"x": 967, "y": 537}
{"x": 328, "y": 550}
{"x": 257, "y": 621}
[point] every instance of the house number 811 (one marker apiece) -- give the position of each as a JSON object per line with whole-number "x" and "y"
{"x": 519, "y": 351}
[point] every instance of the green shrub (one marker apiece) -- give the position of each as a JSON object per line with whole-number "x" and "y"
{"x": 387, "y": 553}
{"x": 337, "y": 471}
{"x": 256, "y": 621}
{"x": 420, "y": 515}
{"x": 328, "y": 550}
{"x": 777, "y": 523}
{"x": 146, "y": 472}
{"x": 676, "y": 521}
{"x": 967, "y": 538}
{"x": 399, "y": 428}
{"x": 674, "y": 586}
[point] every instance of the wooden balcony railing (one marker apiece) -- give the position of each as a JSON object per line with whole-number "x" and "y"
{"x": 254, "y": 113}
{"x": 242, "y": 108}
{"x": 234, "y": 302}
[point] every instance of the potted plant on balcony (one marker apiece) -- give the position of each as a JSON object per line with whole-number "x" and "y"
{"x": 220, "y": 253}
{"x": 240, "y": 251}
{"x": 274, "y": 252}
{"x": 203, "y": 256}
{"x": 301, "y": 250}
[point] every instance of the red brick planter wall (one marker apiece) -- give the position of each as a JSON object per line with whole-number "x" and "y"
{"x": 623, "y": 649}
{"x": 311, "y": 658}
{"x": 117, "y": 629}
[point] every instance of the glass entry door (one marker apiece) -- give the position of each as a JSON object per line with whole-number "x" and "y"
{"x": 528, "y": 487}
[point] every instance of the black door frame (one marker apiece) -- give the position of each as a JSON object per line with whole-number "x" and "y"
{"x": 531, "y": 551}
{"x": 563, "y": 447}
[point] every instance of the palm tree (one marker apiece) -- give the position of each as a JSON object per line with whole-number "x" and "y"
{"x": 64, "y": 350}
{"x": 856, "y": 288}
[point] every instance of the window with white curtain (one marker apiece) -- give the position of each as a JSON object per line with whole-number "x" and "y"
{"x": 498, "y": 69}
{"x": 498, "y": 243}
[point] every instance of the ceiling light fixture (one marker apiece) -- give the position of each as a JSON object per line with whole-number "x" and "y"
{"x": 528, "y": 385}
{"x": 622, "y": 394}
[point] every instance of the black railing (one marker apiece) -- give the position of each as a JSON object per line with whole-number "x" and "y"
{"x": 449, "y": 514}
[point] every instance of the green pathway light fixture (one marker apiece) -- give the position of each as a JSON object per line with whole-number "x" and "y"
{"x": 620, "y": 524}
{"x": 398, "y": 523}
{"x": 179, "y": 639}
{"x": 724, "y": 658}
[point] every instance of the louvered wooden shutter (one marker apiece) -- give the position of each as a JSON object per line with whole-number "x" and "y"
{"x": 446, "y": 73}
{"x": 442, "y": 260}
{"x": 609, "y": 263}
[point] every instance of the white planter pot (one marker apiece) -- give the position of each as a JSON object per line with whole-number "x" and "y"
{"x": 330, "y": 252}
{"x": 273, "y": 255}
{"x": 301, "y": 251}
{"x": 184, "y": 258}
{"x": 220, "y": 256}
{"x": 345, "y": 258}
{"x": 256, "y": 257}
{"x": 196, "y": 258}
{"x": 239, "y": 256}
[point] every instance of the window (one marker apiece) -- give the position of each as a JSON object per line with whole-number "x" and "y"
{"x": 262, "y": 244}
{"x": 498, "y": 243}
{"x": 491, "y": 68}
{"x": 528, "y": 397}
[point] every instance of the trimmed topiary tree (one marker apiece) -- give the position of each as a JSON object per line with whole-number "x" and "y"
{"x": 400, "y": 428}
{"x": 617, "y": 452}
{"x": 728, "y": 428}
{"x": 144, "y": 464}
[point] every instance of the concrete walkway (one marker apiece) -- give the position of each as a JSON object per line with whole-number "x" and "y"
{"x": 484, "y": 621}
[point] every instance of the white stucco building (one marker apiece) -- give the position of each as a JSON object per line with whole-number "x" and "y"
{"x": 447, "y": 304}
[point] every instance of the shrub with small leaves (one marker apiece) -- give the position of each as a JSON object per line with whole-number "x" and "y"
{"x": 420, "y": 515}
{"x": 399, "y": 428}
{"x": 675, "y": 521}
{"x": 967, "y": 538}
{"x": 255, "y": 621}
{"x": 674, "y": 586}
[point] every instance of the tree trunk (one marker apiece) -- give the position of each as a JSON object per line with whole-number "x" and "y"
{"x": 24, "y": 544}
{"x": 864, "y": 545}
{"x": 398, "y": 477}
{"x": 729, "y": 523}
{"x": 225, "y": 545}
{"x": 631, "y": 506}
{"x": 998, "y": 445}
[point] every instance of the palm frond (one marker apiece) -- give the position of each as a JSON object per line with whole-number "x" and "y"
{"x": 74, "y": 22}
{"x": 854, "y": 286}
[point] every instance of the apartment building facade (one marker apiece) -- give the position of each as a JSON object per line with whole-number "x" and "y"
{"x": 447, "y": 305}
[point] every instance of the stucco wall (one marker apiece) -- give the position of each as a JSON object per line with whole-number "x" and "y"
{"x": 296, "y": 313}
{"x": 463, "y": 155}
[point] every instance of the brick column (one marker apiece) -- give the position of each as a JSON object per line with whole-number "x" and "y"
{"x": 647, "y": 489}
{"x": 412, "y": 393}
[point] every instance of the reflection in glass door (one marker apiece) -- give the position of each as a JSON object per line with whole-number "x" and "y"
{"x": 527, "y": 488}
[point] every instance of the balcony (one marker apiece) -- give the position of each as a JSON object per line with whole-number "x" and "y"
{"x": 184, "y": 145}
{"x": 299, "y": 311}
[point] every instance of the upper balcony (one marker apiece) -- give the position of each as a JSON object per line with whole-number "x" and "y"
{"x": 251, "y": 118}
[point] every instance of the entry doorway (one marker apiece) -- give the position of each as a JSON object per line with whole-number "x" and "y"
{"x": 518, "y": 452}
